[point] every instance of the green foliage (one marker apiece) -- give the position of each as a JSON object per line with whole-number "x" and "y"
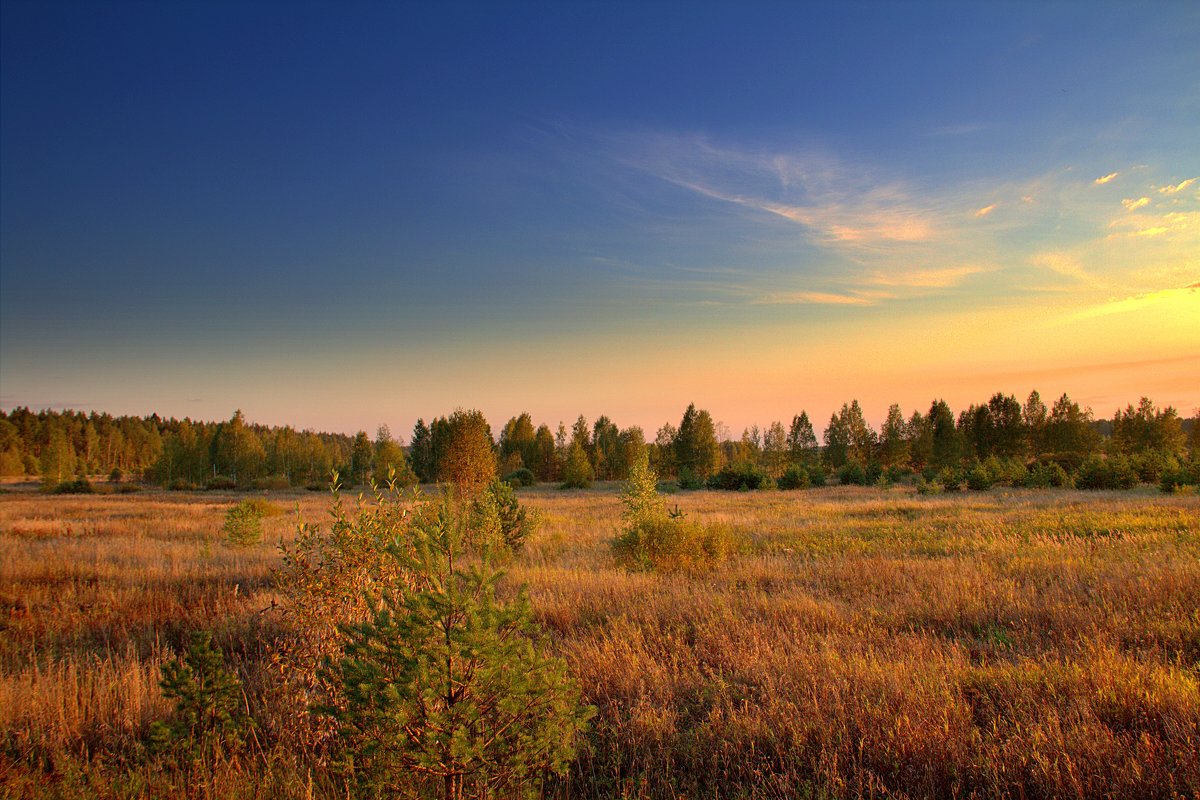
{"x": 220, "y": 483}
{"x": 1046, "y": 475}
{"x": 77, "y": 486}
{"x": 852, "y": 474}
{"x": 743, "y": 476}
{"x": 1099, "y": 473}
{"x": 499, "y": 521}
{"x": 116, "y": 476}
{"x": 695, "y": 447}
{"x": 929, "y": 486}
{"x": 577, "y": 471}
{"x": 1180, "y": 477}
{"x": 950, "y": 479}
{"x": 817, "y": 475}
{"x": 443, "y": 691}
{"x": 657, "y": 539}
{"x": 688, "y": 481}
{"x": 979, "y": 478}
{"x": 243, "y": 522}
{"x": 210, "y": 716}
{"x": 520, "y": 477}
{"x": 463, "y": 447}
{"x": 794, "y": 477}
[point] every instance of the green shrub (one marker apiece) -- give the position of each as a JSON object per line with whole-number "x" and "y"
{"x": 872, "y": 473}
{"x": 1152, "y": 465}
{"x": 273, "y": 482}
{"x": 77, "y": 486}
{"x": 498, "y": 520}
{"x": 210, "y": 716}
{"x": 742, "y": 476}
{"x": 127, "y": 488}
{"x": 896, "y": 473}
{"x": 979, "y": 478}
{"x": 950, "y": 479}
{"x": 1181, "y": 477}
{"x": 1046, "y": 475}
{"x": 929, "y": 487}
{"x": 521, "y": 477}
{"x": 852, "y": 474}
{"x": 444, "y": 691}
{"x": 671, "y": 544}
{"x": 688, "y": 481}
{"x": 577, "y": 472}
{"x": 182, "y": 485}
{"x": 116, "y": 476}
{"x": 794, "y": 477}
{"x": 1098, "y": 473}
{"x": 817, "y": 475}
{"x": 220, "y": 483}
{"x": 243, "y": 522}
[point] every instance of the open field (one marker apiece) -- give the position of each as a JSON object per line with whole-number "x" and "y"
{"x": 861, "y": 642}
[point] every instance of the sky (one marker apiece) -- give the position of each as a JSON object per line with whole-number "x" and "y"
{"x": 340, "y": 215}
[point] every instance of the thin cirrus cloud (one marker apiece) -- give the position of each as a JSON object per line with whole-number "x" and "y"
{"x": 1132, "y": 204}
{"x": 1103, "y": 179}
{"x": 983, "y": 212}
{"x": 813, "y": 298}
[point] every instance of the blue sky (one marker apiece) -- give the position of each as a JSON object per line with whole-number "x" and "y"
{"x": 340, "y": 215}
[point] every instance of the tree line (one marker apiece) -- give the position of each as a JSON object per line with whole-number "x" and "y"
{"x": 1002, "y": 434}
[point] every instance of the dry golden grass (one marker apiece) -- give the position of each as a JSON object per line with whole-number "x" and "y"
{"x": 861, "y": 642}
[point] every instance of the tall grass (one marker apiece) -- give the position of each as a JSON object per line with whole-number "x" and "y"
{"x": 858, "y": 642}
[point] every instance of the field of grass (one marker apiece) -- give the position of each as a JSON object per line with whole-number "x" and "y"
{"x": 859, "y": 643}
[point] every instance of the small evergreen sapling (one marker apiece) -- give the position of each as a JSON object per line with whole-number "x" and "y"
{"x": 210, "y": 716}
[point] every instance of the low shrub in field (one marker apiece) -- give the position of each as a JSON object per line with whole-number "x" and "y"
{"x": 794, "y": 477}
{"x": 274, "y": 482}
{"x": 498, "y": 520}
{"x": 1005, "y": 472}
{"x": 77, "y": 486}
{"x": 520, "y": 477}
{"x": 1180, "y": 478}
{"x": 1151, "y": 466}
{"x": 655, "y": 539}
{"x": 852, "y": 474}
{"x": 742, "y": 476}
{"x": 210, "y": 717}
{"x": 671, "y": 544}
{"x": 1114, "y": 472}
{"x": 688, "y": 481}
{"x": 243, "y": 522}
{"x": 1049, "y": 474}
{"x": 817, "y": 476}
{"x": 182, "y": 485}
{"x": 220, "y": 483}
{"x": 950, "y": 479}
{"x": 979, "y": 478}
{"x": 577, "y": 472}
{"x": 127, "y": 488}
{"x": 929, "y": 487}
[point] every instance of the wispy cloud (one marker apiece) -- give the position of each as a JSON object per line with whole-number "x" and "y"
{"x": 1065, "y": 264}
{"x": 1164, "y": 297}
{"x": 1103, "y": 179}
{"x": 955, "y": 130}
{"x": 927, "y": 278}
{"x": 1133, "y": 205}
{"x": 1179, "y": 187}
{"x": 983, "y": 212}
{"x": 813, "y": 298}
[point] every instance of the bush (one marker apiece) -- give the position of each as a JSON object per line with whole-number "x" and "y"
{"x": 498, "y": 520}
{"x": 272, "y": 482}
{"x": 872, "y": 473}
{"x": 220, "y": 483}
{"x": 979, "y": 478}
{"x": 116, "y": 476}
{"x": 577, "y": 472}
{"x": 243, "y": 522}
{"x": 513, "y": 714}
{"x": 1044, "y": 476}
{"x": 817, "y": 475}
{"x": 670, "y": 544}
{"x": 929, "y": 487}
{"x": 209, "y": 715}
{"x": 742, "y": 476}
{"x": 128, "y": 488}
{"x": 688, "y": 481}
{"x": 896, "y": 473}
{"x": 794, "y": 477}
{"x": 77, "y": 486}
{"x": 182, "y": 485}
{"x": 950, "y": 479}
{"x": 1152, "y": 465}
{"x": 1181, "y": 477}
{"x": 1099, "y": 473}
{"x": 852, "y": 474}
{"x": 520, "y": 477}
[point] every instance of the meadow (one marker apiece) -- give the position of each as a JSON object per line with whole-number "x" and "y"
{"x": 859, "y": 642}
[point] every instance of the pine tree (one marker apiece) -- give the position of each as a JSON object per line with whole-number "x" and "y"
{"x": 444, "y": 689}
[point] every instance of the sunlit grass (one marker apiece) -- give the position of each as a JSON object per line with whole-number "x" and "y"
{"x": 859, "y": 642}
